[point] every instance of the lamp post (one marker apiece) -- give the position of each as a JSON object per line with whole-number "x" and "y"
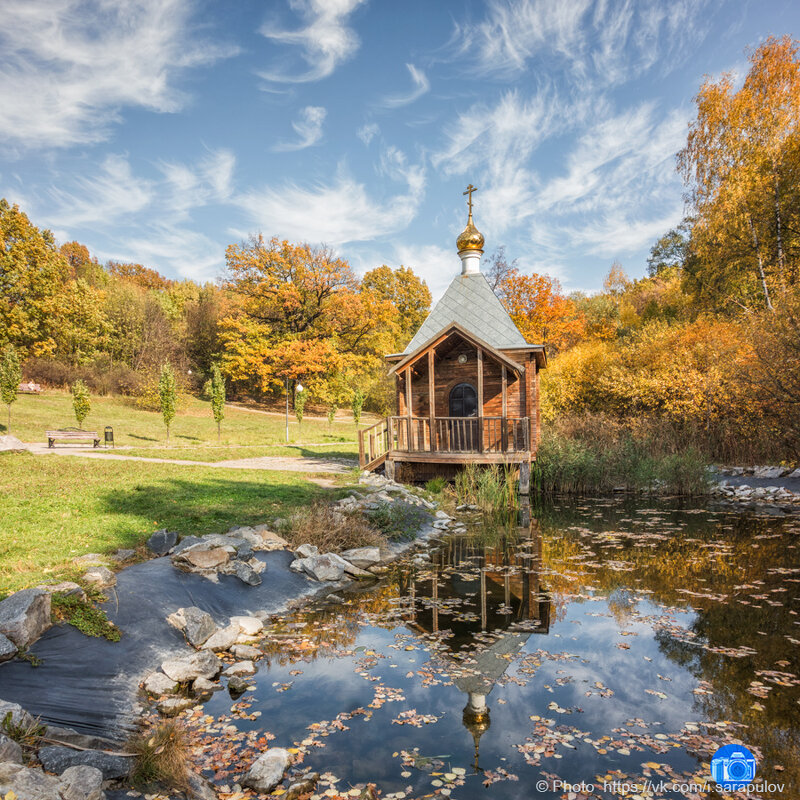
{"x": 298, "y": 388}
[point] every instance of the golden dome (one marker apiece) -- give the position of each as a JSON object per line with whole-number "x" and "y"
{"x": 470, "y": 238}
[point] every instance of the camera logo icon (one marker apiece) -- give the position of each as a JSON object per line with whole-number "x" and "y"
{"x": 733, "y": 766}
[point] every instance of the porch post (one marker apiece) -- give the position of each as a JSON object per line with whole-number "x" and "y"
{"x": 480, "y": 400}
{"x": 504, "y": 420}
{"x": 409, "y": 434}
{"x": 432, "y": 400}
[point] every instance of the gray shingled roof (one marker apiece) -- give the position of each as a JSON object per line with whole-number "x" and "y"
{"x": 470, "y": 301}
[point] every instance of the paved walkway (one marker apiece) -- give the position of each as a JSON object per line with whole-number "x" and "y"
{"x": 279, "y": 463}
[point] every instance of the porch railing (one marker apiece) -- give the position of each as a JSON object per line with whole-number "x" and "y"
{"x": 373, "y": 444}
{"x": 459, "y": 434}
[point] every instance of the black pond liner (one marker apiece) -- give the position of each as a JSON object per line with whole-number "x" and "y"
{"x": 91, "y": 684}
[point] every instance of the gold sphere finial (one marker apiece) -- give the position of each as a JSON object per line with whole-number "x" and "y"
{"x": 470, "y": 238}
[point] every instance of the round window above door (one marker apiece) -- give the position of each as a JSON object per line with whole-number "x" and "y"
{"x": 463, "y": 401}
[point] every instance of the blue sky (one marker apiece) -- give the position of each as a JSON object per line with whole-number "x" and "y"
{"x": 160, "y": 131}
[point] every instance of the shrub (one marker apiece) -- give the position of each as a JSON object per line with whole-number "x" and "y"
{"x": 331, "y": 530}
{"x": 398, "y": 521}
{"x": 161, "y": 754}
{"x": 492, "y": 488}
{"x": 84, "y": 616}
{"x": 436, "y": 485}
{"x": 81, "y": 401}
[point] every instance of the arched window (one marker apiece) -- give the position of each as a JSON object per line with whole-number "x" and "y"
{"x": 463, "y": 401}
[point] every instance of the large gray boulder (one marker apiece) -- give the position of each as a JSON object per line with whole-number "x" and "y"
{"x": 101, "y": 577}
{"x": 321, "y": 568}
{"x": 7, "y": 648}
{"x": 306, "y": 551}
{"x": 83, "y": 782}
{"x": 25, "y": 616}
{"x": 19, "y": 716}
{"x": 57, "y": 759}
{"x": 243, "y": 571}
{"x": 158, "y": 683}
{"x": 363, "y": 557}
{"x": 195, "y": 623}
{"x": 28, "y": 784}
{"x": 267, "y": 770}
{"x": 9, "y": 750}
{"x": 223, "y": 639}
{"x": 200, "y": 558}
{"x": 203, "y": 664}
{"x": 161, "y": 542}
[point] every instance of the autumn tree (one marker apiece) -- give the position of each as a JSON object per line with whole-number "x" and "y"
{"x": 138, "y": 275}
{"x": 32, "y": 273}
{"x": 81, "y": 401}
{"x": 407, "y": 293}
{"x": 540, "y": 309}
{"x": 741, "y": 164}
{"x": 10, "y": 377}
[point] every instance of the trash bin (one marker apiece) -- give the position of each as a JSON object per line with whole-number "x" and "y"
{"x": 109, "y": 436}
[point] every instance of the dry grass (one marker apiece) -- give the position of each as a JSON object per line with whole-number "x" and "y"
{"x": 161, "y": 756}
{"x": 331, "y": 530}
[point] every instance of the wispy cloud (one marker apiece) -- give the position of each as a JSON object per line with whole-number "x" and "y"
{"x": 602, "y": 41}
{"x": 421, "y": 86}
{"x": 68, "y": 67}
{"x": 210, "y": 181}
{"x": 308, "y": 128}
{"x": 337, "y": 212}
{"x": 368, "y": 132}
{"x": 325, "y": 41}
{"x": 437, "y": 265}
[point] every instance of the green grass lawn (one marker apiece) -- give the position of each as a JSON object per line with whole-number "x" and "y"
{"x": 53, "y": 509}
{"x": 348, "y": 450}
{"x": 194, "y": 426}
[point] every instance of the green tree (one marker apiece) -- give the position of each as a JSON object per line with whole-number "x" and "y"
{"x": 408, "y": 294}
{"x": 81, "y": 401}
{"x": 217, "y": 397}
{"x": 300, "y": 405}
{"x": 168, "y": 395}
{"x": 10, "y": 376}
{"x": 332, "y": 409}
{"x": 357, "y": 404}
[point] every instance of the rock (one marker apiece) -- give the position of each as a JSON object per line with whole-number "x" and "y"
{"x": 63, "y": 735}
{"x": 794, "y": 474}
{"x": 123, "y": 555}
{"x": 19, "y": 716}
{"x": 770, "y": 472}
{"x": 102, "y": 577}
{"x": 7, "y": 648}
{"x": 240, "y": 668}
{"x": 57, "y": 759}
{"x": 237, "y": 685}
{"x": 323, "y": 568}
{"x": 195, "y": 623}
{"x": 9, "y": 750}
{"x": 174, "y": 705}
{"x": 67, "y": 588}
{"x": 362, "y": 556}
{"x": 12, "y": 444}
{"x": 245, "y": 651}
{"x": 304, "y": 785}
{"x": 267, "y": 770}
{"x": 25, "y": 616}
{"x": 306, "y": 550}
{"x": 159, "y": 683}
{"x": 223, "y": 639}
{"x": 83, "y": 782}
{"x": 161, "y": 542}
{"x": 25, "y": 783}
{"x": 243, "y": 571}
{"x": 269, "y": 540}
{"x": 205, "y": 686}
{"x": 186, "y": 543}
{"x": 203, "y": 664}
{"x": 249, "y": 625}
{"x": 200, "y": 788}
{"x": 200, "y": 558}
{"x": 91, "y": 560}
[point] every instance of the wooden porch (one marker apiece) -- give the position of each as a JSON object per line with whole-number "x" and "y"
{"x": 457, "y": 440}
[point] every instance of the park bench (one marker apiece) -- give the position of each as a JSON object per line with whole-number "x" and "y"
{"x": 71, "y": 435}
{"x": 29, "y": 388}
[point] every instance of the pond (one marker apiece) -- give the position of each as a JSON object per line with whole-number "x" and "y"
{"x": 605, "y": 644}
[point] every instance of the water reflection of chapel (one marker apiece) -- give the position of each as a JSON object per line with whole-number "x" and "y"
{"x": 483, "y": 600}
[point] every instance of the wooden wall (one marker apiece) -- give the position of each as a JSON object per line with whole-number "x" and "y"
{"x": 448, "y": 373}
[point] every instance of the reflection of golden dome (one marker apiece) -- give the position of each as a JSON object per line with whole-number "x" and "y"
{"x": 470, "y": 238}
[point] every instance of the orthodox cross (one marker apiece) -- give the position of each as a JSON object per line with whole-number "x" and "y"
{"x": 470, "y": 190}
